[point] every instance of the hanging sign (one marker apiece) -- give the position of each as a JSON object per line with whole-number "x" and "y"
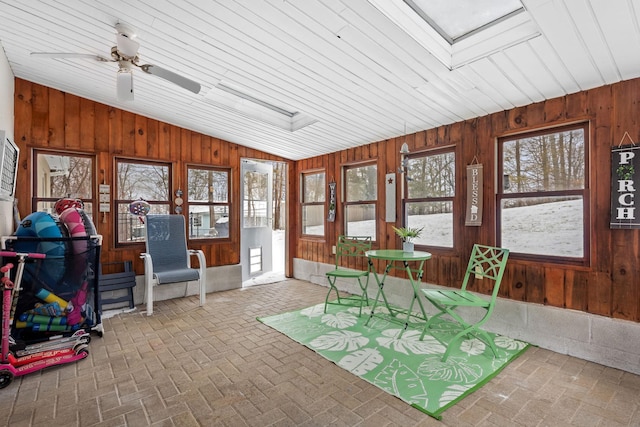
{"x": 390, "y": 197}
{"x": 625, "y": 179}
{"x": 474, "y": 195}
{"x": 331, "y": 216}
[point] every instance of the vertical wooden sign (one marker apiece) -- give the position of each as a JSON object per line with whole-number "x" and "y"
{"x": 390, "y": 193}
{"x": 331, "y": 216}
{"x": 474, "y": 195}
{"x": 625, "y": 180}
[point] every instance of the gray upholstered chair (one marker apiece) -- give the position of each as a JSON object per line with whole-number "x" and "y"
{"x": 167, "y": 259}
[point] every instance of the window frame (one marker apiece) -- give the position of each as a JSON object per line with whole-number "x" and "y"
{"x": 584, "y": 193}
{"x": 36, "y": 199}
{"x": 188, "y": 203}
{"x": 304, "y": 203}
{"x": 450, "y": 199}
{"x": 117, "y": 202}
{"x": 346, "y": 203}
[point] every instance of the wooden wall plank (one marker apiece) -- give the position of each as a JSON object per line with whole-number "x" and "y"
{"x": 101, "y": 129}
{"x": 576, "y": 290}
{"x": 164, "y": 141}
{"x": 140, "y": 148}
{"x": 71, "y": 122}
{"x": 88, "y": 132}
{"x": 554, "y": 286}
{"x": 39, "y": 114}
{"x": 195, "y": 144}
{"x": 152, "y": 139}
{"x": 126, "y": 146}
{"x": 56, "y": 119}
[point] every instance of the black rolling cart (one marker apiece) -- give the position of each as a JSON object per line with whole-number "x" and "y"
{"x": 58, "y": 295}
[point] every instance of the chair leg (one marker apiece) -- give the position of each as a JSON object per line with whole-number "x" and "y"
{"x": 428, "y": 325}
{"x": 488, "y": 340}
{"x": 469, "y": 329}
{"x": 364, "y": 297}
{"x": 455, "y": 339}
{"x": 332, "y": 286}
{"x": 149, "y": 288}
{"x": 203, "y": 279}
{"x": 148, "y": 281}
{"x": 360, "y": 300}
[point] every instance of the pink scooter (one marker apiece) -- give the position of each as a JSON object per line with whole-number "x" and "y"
{"x": 11, "y": 366}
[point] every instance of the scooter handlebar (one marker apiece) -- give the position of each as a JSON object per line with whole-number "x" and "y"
{"x": 35, "y": 255}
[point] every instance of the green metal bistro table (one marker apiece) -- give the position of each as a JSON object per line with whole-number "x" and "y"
{"x": 399, "y": 259}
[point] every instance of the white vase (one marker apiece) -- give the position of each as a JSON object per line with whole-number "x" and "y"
{"x": 407, "y": 246}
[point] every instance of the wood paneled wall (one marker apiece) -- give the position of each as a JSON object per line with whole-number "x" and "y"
{"x": 46, "y": 118}
{"x": 610, "y": 286}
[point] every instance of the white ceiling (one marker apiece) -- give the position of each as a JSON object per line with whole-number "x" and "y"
{"x": 358, "y": 70}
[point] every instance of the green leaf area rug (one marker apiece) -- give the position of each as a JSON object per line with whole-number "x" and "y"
{"x": 403, "y": 366}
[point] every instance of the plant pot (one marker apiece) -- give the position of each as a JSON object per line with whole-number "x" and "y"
{"x": 407, "y": 246}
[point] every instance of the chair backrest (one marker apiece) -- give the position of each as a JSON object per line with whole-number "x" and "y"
{"x": 489, "y": 263}
{"x": 167, "y": 242}
{"x": 352, "y": 246}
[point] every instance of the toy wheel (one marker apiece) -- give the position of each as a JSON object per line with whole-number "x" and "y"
{"x": 5, "y": 378}
{"x": 79, "y": 344}
{"x": 80, "y": 348}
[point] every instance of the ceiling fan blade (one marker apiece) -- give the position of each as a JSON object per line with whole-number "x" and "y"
{"x": 65, "y": 55}
{"x": 181, "y": 81}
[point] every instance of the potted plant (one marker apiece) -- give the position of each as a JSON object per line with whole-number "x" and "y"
{"x": 407, "y": 234}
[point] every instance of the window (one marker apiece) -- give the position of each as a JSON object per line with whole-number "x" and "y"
{"x": 428, "y": 203}
{"x": 361, "y": 195}
{"x": 208, "y": 202}
{"x": 256, "y": 200}
{"x": 313, "y": 198}
{"x": 59, "y": 176}
{"x": 543, "y": 194}
{"x": 139, "y": 180}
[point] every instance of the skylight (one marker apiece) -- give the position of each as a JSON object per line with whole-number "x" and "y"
{"x": 240, "y": 102}
{"x": 458, "y": 32}
{"x": 455, "y": 19}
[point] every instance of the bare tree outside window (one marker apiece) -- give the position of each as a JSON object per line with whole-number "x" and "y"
{"x": 543, "y": 192}
{"x": 314, "y": 191}
{"x": 60, "y": 176}
{"x": 255, "y": 200}
{"x": 139, "y": 180}
{"x": 361, "y": 194}
{"x": 430, "y": 189}
{"x": 279, "y": 194}
{"x": 208, "y": 202}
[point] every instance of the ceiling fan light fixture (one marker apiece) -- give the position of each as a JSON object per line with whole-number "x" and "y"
{"x": 126, "y": 41}
{"x": 124, "y": 85}
{"x": 127, "y": 47}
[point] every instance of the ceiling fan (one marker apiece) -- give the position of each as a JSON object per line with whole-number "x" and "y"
{"x": 125, "y": 53}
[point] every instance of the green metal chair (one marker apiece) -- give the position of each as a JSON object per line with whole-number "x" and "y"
{"x": 350, "y": 247}
{"x": 485, "y": 263}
